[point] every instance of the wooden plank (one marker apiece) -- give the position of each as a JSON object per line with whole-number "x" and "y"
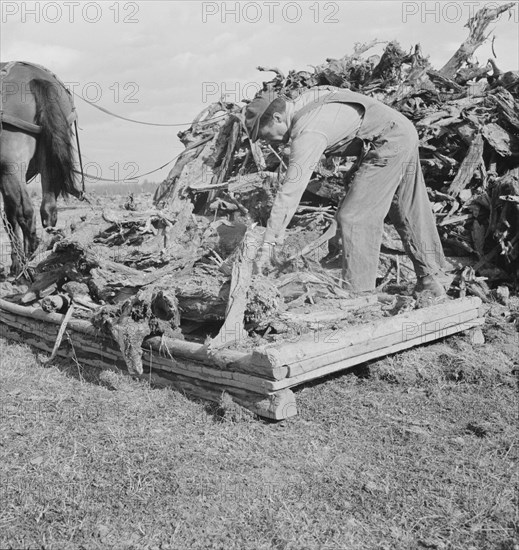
{"x": 209, "y": 374}
{"x": 224, "y": 359}
{"x": 202, "y": 378}
{"x": 180, "y": 366}
{"x": 231, "y": 359}
{"x": 53, "y": 318}
{"x": 96, "y": 359}
{"x": 359, "y": 359}
{"x": 274, "y": 405}
{"x": 312, "y": 346}
{"x": 260, "y": 365}
{"x": 44, "y": 340}
{"x": 382, "y": 343}
{"x": 49, "y": 330}
{"x": 342, "y": 311}
{"x": 269, "y": 398}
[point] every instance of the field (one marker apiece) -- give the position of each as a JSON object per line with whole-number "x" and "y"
{"x": 418, "y": 450}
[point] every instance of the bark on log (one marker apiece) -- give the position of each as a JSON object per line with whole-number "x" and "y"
{"x": 470, "y": 164}
{"x": 503, "y": 142}
{"x": 225, "y": 359}
{"x": 507, "y": 109}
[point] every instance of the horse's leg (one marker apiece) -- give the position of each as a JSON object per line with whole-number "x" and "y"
{"x": 48, "y": 208}
{"x": 20, "y": 220}
{"x": 27, "y": 221}
{"x": 16, "y": 149}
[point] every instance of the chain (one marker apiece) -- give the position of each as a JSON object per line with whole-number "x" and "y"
{"x": 20, "y": 254}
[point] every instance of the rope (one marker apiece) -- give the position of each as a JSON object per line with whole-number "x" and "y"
{"x": 97, "y": 178}
{"x": 189, "y": 147}
{"x": 138, "y": 121}
{"x": 15, "y": 246}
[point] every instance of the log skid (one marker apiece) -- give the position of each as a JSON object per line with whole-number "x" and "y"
{"x": 261, "y": 380}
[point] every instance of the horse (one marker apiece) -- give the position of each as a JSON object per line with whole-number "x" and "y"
{"x": 36, "y": 116}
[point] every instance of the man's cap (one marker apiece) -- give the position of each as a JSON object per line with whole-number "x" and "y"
{"x": 255, "y": 110}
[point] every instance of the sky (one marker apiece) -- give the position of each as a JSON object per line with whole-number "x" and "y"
{"x": 165, "y": 61}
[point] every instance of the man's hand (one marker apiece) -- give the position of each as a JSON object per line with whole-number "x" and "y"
{"x": 264, "y": 258}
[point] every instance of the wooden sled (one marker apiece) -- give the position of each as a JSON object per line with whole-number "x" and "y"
{"x": 260, "y": 380}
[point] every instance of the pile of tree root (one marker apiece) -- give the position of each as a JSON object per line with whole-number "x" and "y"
{"x": 467, "y": 117}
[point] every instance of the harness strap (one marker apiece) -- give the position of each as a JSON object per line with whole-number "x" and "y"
{"x": 6, "y": 68}
{"x": 19, "y": 123}
{"x": 82, "y": 195}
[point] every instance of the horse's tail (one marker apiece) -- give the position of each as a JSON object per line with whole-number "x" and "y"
{"x": 55, "y": 148}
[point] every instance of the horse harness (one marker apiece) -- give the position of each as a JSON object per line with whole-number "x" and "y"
{"x": 30, "y": 127}
{"x": 5, "y": 69}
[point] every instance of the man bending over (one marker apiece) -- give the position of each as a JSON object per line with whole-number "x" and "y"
{"x": 389, "y": 178}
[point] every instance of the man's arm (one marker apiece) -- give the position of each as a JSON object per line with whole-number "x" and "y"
{"x": 305, "y": 152}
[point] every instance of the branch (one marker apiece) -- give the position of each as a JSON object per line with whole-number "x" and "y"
{"x": 279, "y": 73}
{"x": 477, "y": 26}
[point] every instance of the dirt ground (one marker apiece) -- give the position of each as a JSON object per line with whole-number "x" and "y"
{"x": 417, "y": 450}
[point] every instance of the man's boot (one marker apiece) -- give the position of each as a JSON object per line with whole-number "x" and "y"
{"x": 429, "y": 289}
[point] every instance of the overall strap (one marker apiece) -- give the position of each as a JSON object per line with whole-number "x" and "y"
{"x": 309, "y": 107}
{"x": 335, "y": 148}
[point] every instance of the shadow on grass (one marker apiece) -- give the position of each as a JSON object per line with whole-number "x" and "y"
{"x": 226, "y": 410}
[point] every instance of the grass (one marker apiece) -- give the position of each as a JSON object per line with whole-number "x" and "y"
{"x": 418, "y": 450}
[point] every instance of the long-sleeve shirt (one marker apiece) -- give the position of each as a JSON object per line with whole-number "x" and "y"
{"x": 315, "y": 132}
